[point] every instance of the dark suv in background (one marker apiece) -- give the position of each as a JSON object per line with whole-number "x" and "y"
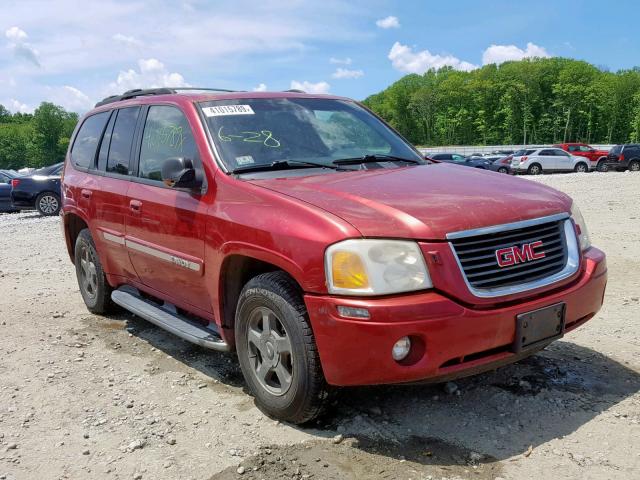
{"x": 622, "y": 157}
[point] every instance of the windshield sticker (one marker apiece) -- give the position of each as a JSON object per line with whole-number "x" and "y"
{"x": 263, "y": 136}
{"x": 244, "y": 160}
{"x": 224, "y": 110}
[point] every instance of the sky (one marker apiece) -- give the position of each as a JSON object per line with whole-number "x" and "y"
{"x": 74, "y": 53}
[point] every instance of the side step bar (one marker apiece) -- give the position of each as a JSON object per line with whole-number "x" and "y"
{"x": 165, "y": 317}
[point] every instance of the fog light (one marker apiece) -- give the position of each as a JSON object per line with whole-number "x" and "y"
{"x": 401, "y": 349}
{"x": 353, "y": 312}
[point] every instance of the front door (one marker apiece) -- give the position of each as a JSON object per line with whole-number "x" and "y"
{"x": 563, "y": 160}
{"x": 165, "y": 227}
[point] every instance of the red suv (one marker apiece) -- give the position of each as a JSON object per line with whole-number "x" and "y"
{"x": 597, "y": 158}
{"x": 308, "y": 236}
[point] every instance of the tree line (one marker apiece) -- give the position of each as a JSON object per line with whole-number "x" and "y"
{"x": 532, "y": 101}
{"x": 35, "y": 140}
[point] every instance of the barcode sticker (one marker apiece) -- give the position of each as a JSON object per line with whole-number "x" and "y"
{"x": 223, "y": 110}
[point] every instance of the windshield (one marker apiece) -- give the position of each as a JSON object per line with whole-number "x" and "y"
{"x": 254, "y": 132}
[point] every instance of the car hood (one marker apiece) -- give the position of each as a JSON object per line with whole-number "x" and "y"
{"x": 422, "y": 202}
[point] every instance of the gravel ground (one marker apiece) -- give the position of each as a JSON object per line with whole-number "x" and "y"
{"x": 85, "y": 396}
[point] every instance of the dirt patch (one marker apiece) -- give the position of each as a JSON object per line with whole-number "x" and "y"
{"x": 365, "y": 458}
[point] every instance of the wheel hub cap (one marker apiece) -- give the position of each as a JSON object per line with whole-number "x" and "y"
{"x": 270, "y": 352}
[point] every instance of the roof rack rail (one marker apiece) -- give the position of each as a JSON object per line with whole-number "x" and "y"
{"x": 295, "y": 90}
{"x": 139, "y": 92}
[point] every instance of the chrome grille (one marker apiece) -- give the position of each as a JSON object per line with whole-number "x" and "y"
{"x": 476, "y": 254}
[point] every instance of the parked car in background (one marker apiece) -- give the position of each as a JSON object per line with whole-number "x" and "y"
{"x": 622, "y": 157}
{"x": 5, "y": 190}
{"x": 597, "y": 158}
{"x": 502, "y": 164}
{"x": 40, "y": 190}
{"x": 471, "y": 161}
{"x": 540, "y": 160}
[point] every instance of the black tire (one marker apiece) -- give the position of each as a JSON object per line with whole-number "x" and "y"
{"x": 48, "y": 204}
{"x": 534, "y": 169}
{"x": 95, "y": 291}
{"x": 503, "y": 170}
{"x": 634, "y": 166}
{"x": 581, "y": 168}
{"x": 602, "y": 166}
{"x": 303, "y": 397}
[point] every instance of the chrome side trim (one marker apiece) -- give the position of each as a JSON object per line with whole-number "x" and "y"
{"x": 506, "y": 226}
{"x": 113, "y": 238}
{"x": 154, "y": 252}
{"x": 570, "y": 267}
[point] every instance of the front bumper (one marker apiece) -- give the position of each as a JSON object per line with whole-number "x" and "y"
{"x": 452, "y": 339}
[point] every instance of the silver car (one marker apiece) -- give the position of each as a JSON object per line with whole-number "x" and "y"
{"x": 535, "y": 161}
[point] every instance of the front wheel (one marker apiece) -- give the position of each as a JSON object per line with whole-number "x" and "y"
{"x": 277, "y": 350}
{"x": 503, "y": 170}
{"x": 581, "y": 168}
{"x": 634, "y": 166}
{"x": 48, "y": 204}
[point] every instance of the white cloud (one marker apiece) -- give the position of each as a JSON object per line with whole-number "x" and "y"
{"x": 16, "y": 34}
{"x": 503, "y": 53}
{"x": 151, "y": 74}
{"x": 340, "y": 61}
{"x": 70, "y": 98}
{"x": 309, "y": 87}
{"x": 388, "y": 22}
{"x": 16, "y": 106}
{"x": 403, "y": 58}
{"x": 127, "y": 40}
{"x": 346, "y": 73}
{"x": 262, "y": 87}
{"x": 21, "y": 48}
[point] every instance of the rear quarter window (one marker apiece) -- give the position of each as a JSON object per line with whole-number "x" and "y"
{"x": 83, "y": 152}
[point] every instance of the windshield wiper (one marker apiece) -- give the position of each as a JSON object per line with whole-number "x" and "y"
{"x": 282, "y": 165}
{"x": 374, "y": 159}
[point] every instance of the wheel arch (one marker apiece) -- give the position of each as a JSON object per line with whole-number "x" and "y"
{"x": 72, "y": 224}
{"x": 235, "y": 271}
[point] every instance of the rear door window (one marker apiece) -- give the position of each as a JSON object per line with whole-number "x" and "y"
{"x": 124, "y": 128}
{"x": 83, "y": 152}
{"x": 546, "y": 153}
{"x": 166, "y": 135}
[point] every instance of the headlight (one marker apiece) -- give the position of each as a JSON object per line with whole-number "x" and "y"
{"x": 375, "y": 267}
{"x": 581, "y": 227}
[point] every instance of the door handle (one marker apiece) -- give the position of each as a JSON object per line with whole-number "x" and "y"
{"x": 85, "y": 193}
{"x": 135, "y": 205}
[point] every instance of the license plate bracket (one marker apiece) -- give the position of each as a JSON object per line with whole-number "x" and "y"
{"x": 539, "y": 327}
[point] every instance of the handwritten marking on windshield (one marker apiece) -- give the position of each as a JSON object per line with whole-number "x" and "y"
{"x": 263, "y": 136}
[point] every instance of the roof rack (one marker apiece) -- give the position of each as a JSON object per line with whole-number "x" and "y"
{"x": 139, "y": 92}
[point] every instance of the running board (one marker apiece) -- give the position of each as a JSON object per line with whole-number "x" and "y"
{"x": 166, "y": 318}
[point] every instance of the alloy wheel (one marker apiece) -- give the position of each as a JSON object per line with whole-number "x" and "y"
{"x": 88, "y": 273}
{"x": 270, "y": 351}
{"x": 48, "y": 204}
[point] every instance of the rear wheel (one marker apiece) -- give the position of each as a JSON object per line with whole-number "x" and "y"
{"x": 94, "y": 288}
{"x": 503, "y": 170}
{"x": 534, "y": 169}
{"x": 602, "y": 166}
{"x": 581, "y": 168}
{"x": 277, "y": 351}
{"x": 48, "y": 204}
{"x": 634, "y": 166}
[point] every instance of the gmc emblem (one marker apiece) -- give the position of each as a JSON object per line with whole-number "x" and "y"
{"x": 513, "y": 255}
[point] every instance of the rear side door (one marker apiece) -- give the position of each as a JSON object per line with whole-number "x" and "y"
{"x": 165, "y": 226}
{"x": 546, "y": 158}
{"x": 563, "y": 160}
{"x": 109, "y": 198}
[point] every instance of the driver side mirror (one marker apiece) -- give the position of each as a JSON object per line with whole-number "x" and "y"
{"x": 179, "y": 172}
